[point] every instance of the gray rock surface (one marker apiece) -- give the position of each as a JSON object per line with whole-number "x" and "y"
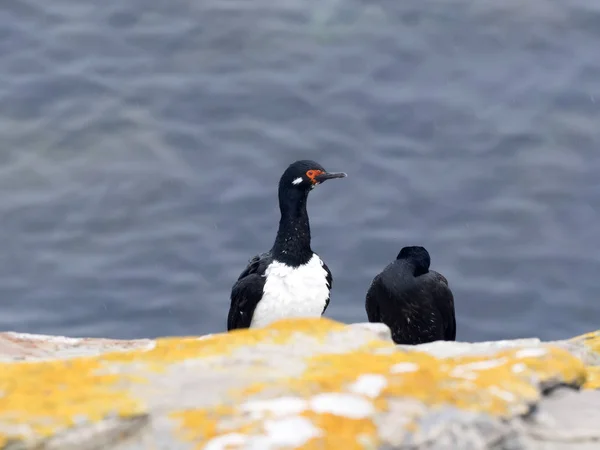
{"x": 298, "y": 384}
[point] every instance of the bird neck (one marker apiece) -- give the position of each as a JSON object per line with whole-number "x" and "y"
{"x": 416, "y": 266}
{"x": 292, "y": 244}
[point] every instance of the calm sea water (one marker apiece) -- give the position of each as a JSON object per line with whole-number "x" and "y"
{"x": 142, "y": 142}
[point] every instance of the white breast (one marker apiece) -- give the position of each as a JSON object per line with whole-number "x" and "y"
{"x": 292, "y": 292}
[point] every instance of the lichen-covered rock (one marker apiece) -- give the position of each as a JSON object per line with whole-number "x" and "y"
{"x": 297, "y": 384}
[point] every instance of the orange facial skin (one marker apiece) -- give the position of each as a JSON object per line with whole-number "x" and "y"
{"x": 312, "y": 175}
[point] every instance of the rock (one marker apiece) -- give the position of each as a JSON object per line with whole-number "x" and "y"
{"x": 304, "y": 383}
{"x": 564, "y": 418}
{"x": 442, "y": 349}
{"x": 31, "y": 347}
{"x": 381, "y": 330}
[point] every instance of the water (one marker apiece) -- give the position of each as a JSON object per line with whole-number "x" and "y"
{"x": 143, "y": 141}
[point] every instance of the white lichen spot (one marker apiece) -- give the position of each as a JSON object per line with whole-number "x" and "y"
{"x": 290, "y": 432}
{"x": 281, "y": 406}
{"x": 481, "y": 365}
{"x": 44, "y": 337}
{"x": 404, "y": 367}
{"x": 226, "y": 441}
{"x": 518, "y": 368}
{"x": 206, "y": 336}
{"x": 369, "y": 385}
{"x": 465, "y": 374}
{"x": 151, "y": 345}
{"x": 340, "y": 404}
{"x": 531, "y": 353}
{"x": 385, "y": 351}
{"x": 501, "y": 393}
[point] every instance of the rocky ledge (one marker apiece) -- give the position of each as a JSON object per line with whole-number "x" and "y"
{"x": 298, "y": 384}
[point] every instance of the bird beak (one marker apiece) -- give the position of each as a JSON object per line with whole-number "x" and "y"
{"x": 329, "y": 175}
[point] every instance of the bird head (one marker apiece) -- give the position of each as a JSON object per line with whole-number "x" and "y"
{"x": 306, "y": 175}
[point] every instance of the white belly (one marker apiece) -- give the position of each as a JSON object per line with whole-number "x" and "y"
{"x": 292, "y": 292}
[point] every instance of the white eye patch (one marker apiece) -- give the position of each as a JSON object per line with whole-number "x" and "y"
{"x": 297, "y": 180}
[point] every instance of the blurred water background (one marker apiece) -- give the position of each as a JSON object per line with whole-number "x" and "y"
{"x": 142, "y": 142}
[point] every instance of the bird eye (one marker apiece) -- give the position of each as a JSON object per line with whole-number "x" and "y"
{"x": 311, "y": 174}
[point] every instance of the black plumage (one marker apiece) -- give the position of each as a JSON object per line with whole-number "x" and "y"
{"x": 247, "y": 292}
{"x": 414, "y": 302}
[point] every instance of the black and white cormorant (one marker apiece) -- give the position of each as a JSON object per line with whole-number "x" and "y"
{"x": 413, "y": 301}
{"x": 290, "y": 280}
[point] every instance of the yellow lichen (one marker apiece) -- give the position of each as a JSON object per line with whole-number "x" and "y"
{"x": 341, "y": 432}
{"x": 593, "y": 378}
{"x": 502, "y": 384}
{"x": 202, "y": 424}
{"x": 171, "y": 350}
{"x": 336, "y": 431}
{"x": 592, "y": 342}
{"x": 51, "y": 395}
{"x": 48, "y": 396}
{"x": 495, "y": 387}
